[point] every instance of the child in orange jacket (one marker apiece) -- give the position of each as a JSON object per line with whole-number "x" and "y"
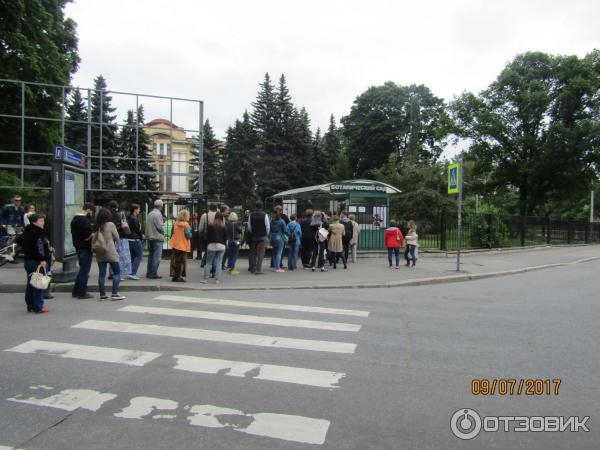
{"x": 393, "y": 242}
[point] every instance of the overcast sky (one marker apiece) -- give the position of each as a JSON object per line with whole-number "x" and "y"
{"x": 330, "y": 51}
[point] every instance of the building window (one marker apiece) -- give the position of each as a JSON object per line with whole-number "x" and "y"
{"x": 162, "y": 149}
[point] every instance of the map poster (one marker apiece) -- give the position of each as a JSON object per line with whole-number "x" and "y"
{"x": 74, "y": 199}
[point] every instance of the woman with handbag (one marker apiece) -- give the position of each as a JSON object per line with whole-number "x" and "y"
{"x": 37, "y": 254}
{"x": 181, "y": 246}
{"x": 103, "y": 245}
{"x": 318, "y": 229}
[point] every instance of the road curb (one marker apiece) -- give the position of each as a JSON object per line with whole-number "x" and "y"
{"x": 14, "y": 288}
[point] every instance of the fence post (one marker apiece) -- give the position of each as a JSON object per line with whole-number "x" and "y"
{"x": 490, "y": 234}
{"x": 569, "y": 231}
{"x": 587, "y": 232}
{"x": 443, "y": 230}
{"x": 548, "y": 233}
{"x": 522, "y": 231}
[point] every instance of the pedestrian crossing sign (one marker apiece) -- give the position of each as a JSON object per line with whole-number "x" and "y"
{"x": 453, "y": 178}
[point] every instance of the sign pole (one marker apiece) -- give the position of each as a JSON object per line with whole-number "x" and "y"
{"x": 455, "y": 186}
{"x": 459, "y": 225}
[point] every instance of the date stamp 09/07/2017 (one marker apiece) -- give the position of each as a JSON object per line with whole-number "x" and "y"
{"x": 514, "y": 386}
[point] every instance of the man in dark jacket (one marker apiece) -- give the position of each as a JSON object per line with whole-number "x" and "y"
{"x": 348, "y": 232}
{"x": 12, "y": 213}
{"x": 259, "y": 226}
{"x": 81, "y": 232}
{"x": 308, "y": 239}
{"x": 37, "y": 253}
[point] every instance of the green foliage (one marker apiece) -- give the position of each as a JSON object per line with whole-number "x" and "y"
{"x": 392, "y": 119}
{"x": 30, "y": 194}
{"x": 424, "y": 188}
{"x": 37, "y": 43}
{"x": 536, "y": 129}
{"x": 488, "y": 230}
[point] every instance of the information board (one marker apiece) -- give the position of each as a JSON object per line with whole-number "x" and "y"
{"x": 74, "y": 199}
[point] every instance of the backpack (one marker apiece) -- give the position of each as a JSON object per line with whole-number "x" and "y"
{"x": 98, "y": 243}
{"x": 349, "y": 227}
{"x": 292, "y": 236}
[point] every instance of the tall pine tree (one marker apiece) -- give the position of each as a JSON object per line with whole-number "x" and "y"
{"x": 284, "y": 175}
{"x": 76, "y": 127}
{"x": 239, "y": 180}
{"x": 319, "y": 174}
{"x": 302, "y": 171}
{"x": 332, "y": 147}
{"x": 146, "y": 181}
{"x": 213, "y": 164}
{"x": 104, "y": 142}
{"x": 264, "y": 121}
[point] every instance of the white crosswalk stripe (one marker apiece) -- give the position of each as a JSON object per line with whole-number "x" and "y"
{"x": 87, "y": 352}
{"x": 285, "y": 374}
{"x": 278, "y": 425}
{"x": 219, "y": 336}
{"x": 262, "y": 305}
{"x": 69, "y": 399}
{"x": 277, "y": 321}
{"x": 197, "y": 364}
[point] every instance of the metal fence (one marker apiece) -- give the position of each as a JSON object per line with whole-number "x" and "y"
{"x": 33, "y": 114}
{"x": 480, "y": 231}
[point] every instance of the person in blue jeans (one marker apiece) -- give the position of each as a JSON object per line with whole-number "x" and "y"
{"x": 135, "y": 241}
{"x": 81, "y": 232}
{"x": 234, "y": 236}
{"x": 294, "y": 238}
{"x": 278, "y": 231}
{"x": 37, "y": 253}
{"x": 217, "y": 241}
{"x": 156, "y": 235}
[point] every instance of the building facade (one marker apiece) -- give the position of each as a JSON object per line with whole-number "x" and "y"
{"x": 172, "y": 152}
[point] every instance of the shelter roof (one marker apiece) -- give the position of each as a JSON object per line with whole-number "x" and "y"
{"x": 341, "y": 188}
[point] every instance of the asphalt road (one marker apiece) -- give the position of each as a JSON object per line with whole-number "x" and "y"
{"x": 391, "y": 379}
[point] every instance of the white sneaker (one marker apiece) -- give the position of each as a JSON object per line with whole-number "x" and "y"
{"x": 115, "y": 297}
{"x": 133, "y": 277}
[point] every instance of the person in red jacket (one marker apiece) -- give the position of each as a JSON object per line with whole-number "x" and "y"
{"x": 393, "y": 242}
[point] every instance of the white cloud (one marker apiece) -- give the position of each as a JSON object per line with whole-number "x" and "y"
{"x": 330, "y": 52}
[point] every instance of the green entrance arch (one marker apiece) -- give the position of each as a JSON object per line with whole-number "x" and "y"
{"x": 367, "y": 200}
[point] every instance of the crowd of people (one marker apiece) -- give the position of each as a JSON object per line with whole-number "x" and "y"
{"x": 116, "y": 239}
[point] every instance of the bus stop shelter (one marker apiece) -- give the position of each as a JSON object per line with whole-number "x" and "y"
{"x": 367, "y": 200}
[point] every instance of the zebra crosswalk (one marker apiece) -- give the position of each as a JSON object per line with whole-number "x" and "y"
{"x": 285, "y": 425}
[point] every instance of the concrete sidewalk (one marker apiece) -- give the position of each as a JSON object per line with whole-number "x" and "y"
{"x": 371, "y": 272}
